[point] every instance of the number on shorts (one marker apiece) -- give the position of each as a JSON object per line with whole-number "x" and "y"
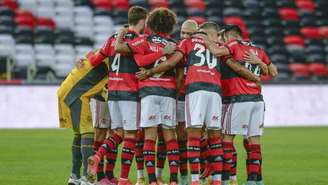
{"x": 210, "y": 59}
{"x": 116, "y": 63}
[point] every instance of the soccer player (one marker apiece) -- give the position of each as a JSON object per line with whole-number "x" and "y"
{"x": 124, "y": 102}
{"x": 244, "y": 105}
{"x": 74, "y": 94}
{"x": 101, "y": 121}
{"x": 158, "y": 93}
{"x": 203, "y": 101}
{"x": 187, "y": 29}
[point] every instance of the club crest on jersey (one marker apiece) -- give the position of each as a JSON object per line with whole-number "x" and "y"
{"x": 159, "y": 40}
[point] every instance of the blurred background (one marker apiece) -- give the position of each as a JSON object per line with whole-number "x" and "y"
{"x": 40, "y": 40}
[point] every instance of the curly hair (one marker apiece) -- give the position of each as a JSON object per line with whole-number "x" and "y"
{"x": 161, "y": 20}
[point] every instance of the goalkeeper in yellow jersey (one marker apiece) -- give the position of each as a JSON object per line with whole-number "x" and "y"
{"x": 74, "y": 94}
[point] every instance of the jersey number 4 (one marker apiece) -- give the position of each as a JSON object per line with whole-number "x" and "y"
{"x": 116, "y": 63}
{"x": 205, "y": 57}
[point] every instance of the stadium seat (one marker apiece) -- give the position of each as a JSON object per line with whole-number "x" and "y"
{"x": 288, "y": 14}
{"x": 45, "y": 60}
{"x": 294, "y": 40}
{"x": 24, "y": 60}
{"x": 103, "y": 4}
{"x": 324, "y": 31}
{"x": 311, "y": 32}
{"x": 300, "y": 71}
{"x": 12, "y": 4}
{"x": 306, "y": 5}
{"x": 45, "y": 22}
{"x": 121, "y": 4}
{"x": 318, "y": 69}
{"x": 25, "y": 21}
{"x": 158, "y": 3}
{"x": 48, "y": 12}
{"x": 234, "y": 20}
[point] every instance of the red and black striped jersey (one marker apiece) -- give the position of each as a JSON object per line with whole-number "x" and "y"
{"x": 122, "y": 83}
{"x": 203, "y": 68}
{"x": 162, "y": 84}
{"x": 236, "y": 88}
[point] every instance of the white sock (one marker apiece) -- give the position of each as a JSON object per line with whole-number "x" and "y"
{"x": 234, "y": 177}
{"x": 216, "y": 177}
{"x": 194, "y": 177}
{"x": 140, "y": 174}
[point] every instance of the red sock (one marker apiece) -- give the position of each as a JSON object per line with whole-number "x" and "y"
{"x": 254, "y": 162}
{"x": 216, "y": 157}
{"x": 233, "y": 170}
{"x": 183, "y": 158}
{"x": 100, "y": 169}
{"x": 149, "y": 157}
{"x": 139, "y": 150}
{"x": 109, "y": 144}
{"x": 127, "y": 156}
{"x": 97, "y": 144}
{"x": 246, "y": 144}
{"x": 161, "y": 149}
{"x": 193, "y": 153}
{"x": 173, "y": 157}
{"x": 204, "y": 154}
{"x": 227, "y": 160}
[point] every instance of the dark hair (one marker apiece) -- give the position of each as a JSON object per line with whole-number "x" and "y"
{"x": 209, "y": 25}
{"x": 135, "y": 14}
{"x": 234, "y": 28}
{"x": 161, "y": 20}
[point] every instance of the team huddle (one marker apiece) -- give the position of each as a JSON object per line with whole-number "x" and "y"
{"x": 183, "y": 101}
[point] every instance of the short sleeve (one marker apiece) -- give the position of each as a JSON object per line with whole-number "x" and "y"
{"x": 182, "y": 47}
{"x": 105, "y": 49}
{"x": 265, "y": 58}
{"x": 232, "y": 46}
{"x": 138, "y": 45}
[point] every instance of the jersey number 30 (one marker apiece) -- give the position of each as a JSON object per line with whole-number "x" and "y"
{"x": 205, "y": 56}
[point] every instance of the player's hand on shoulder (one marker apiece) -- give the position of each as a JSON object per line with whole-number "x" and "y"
{"x": 169, "y": 48}
{"x": 252, "y": 58}
{"x": 80, "y": 64}
{"x": 143, "y": 74}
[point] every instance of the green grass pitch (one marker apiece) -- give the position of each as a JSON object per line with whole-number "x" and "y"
{"x": 292, "y": 156}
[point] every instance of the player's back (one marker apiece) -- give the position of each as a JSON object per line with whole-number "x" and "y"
{"x": 163, "y": 84}
{"x": 123, "y": 84}
{"x": 203, "y": 69}
{"x": 235, "y": 87}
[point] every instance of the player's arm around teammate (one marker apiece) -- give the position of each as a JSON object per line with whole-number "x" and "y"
{"x": 123, "y": 98}
{"x": 158, "y": 93}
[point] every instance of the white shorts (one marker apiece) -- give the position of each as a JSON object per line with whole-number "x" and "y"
{"x": 156, "y": 110}
{"x": 203, "y": 108}
{"x": 181, "y": 111}
{"x": 100, "y": 113}
{"x": 244, "y": 118}
{"x": 124, "y": 114}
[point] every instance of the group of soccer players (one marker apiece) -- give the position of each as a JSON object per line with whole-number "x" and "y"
{"x": 189, "y": 98}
